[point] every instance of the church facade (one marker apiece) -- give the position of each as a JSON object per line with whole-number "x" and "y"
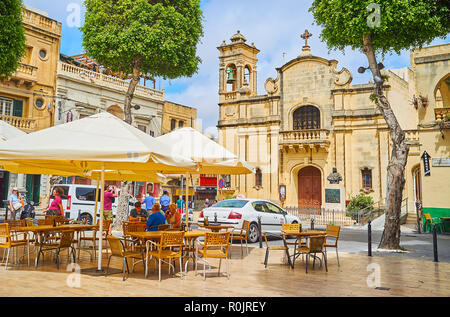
{"x": 312, "y": 122}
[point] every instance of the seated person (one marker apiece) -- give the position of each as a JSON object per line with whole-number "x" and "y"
{"x": 137, "y": 212}
{"x": 173, "y": 217}
{"x": 155, "y": 219}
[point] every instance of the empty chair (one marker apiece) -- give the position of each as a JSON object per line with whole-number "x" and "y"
{"x": 316, "y": 245}
{"x": 216, "y": 246}
{"x": 65, "y": 242}
{"x": 170, "y": 247}
{"x": 332, "y": 233}
{"x": 118, "y": 250}
{"x": 7, "y": 243}
{"x": 273, "y": 248}
{"x": 242, "y": 236}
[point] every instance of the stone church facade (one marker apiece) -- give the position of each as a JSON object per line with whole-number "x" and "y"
{"x": 311, "y": 120}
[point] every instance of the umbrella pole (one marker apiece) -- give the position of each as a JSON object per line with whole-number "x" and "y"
{"x": 186, "y": 204}
{"x": 100, "y": 229}
{"x": 96, "y": 202}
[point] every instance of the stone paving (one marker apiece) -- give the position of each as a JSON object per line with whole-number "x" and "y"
{"x": 357, "y": 276}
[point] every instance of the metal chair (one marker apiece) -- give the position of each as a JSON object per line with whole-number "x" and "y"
{"x": 164, "y": 250}
{"x": 7, "y": 243}
{"x": 216, "y": 245}
{"x": 431, "y": 221}
{"x": 273, "y": 248}
{"x": 243, "y": 232}
{"x": 332, "y": 232}
{"x": 118, "y": 250}
{"x": 316, "y": 245}
{"x": 65, "y": 242}
{"x": 94, "y": 238}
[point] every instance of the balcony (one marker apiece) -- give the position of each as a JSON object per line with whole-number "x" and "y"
{"x": 24, "y": 124}
{"x": 305, "y": 139}
{"x": 42, "y": 22}
{"x": 104, "y": 80}
{"x": 26, "y": 75}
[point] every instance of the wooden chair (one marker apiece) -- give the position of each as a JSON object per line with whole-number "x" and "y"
{"x": 332, "y": 233}
{"x": 273, "y": 248}
{"x": 431, "y": 221}
{"x": 216, "y": 245}
{"x": 132, "y": 227}
{"x": 65, "y": 242}
{"x": 243, "y": 232}
{"x": 316, "y": 245}
{"x": 7, "y": 243}
{"x": 163, "y": 227}
{"x": 164, "y": 250}
{"x": 45, "y": 222}
{"x": 118, "y": 250}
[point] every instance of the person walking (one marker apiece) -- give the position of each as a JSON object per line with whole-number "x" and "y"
{"x": 180, "y": 204}
{"x": 56, "y": 207}
{"x": 15, "y": 204}
{"x": 149, "y": 201}
{"x": 110, "y": 193}
{"x": 164, "y": 201}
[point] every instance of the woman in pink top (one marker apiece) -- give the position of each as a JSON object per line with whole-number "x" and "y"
{"x": 56, "y": 207}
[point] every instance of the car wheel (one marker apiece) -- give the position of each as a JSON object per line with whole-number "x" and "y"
{"x": 253, "y": 233}
{"x": 89, "y": 221}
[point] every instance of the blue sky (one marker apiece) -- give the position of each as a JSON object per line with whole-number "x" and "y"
{"x": 274, "y": 27}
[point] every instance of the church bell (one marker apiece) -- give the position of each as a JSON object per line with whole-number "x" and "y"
{"x": 230, "y": 76}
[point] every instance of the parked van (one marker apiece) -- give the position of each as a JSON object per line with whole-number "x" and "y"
{"x": 79, "y": 201}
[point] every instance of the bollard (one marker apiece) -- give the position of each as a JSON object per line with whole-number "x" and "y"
{"x": 435, "y": 249}
{"x": 6, "y": 212}
{"x": 369, "y": 227}
{"x": 312, "y": 223}
{"x": 260, "y": 232}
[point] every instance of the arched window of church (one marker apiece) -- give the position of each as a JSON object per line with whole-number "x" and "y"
{"x": 258, "y": 177}
{"x": 307, "y": 118}
{"x": 231, "y": 77}
{"x": 247, "y": 75}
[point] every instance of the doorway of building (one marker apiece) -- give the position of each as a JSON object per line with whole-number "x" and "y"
{"x": 33, "y": 188}
{"x": 4, "y": 187}
{"x": 309, "y": 187}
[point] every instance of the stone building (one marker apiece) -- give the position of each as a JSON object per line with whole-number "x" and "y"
{"x": 177, "y": 116}
{"x": 312, "y": 120}
{"x": 27, "y": 98}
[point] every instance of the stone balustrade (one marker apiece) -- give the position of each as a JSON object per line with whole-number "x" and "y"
{"x": 40, "y": 21}
{"x": 24, "y": 124}
{"x": 107, "y": 80}
{"x": 304, "y": 136}
{"x": 442, "y": 113}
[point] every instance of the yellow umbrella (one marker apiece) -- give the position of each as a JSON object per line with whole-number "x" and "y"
{"x": 91, "y": 146}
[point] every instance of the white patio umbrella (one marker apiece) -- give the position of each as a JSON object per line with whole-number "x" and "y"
{"x": 211, "y": 157}
{"x": 8, "y": 131}
{"x": 95, "y": 144}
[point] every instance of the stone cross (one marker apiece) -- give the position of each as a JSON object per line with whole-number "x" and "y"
{"x": 306, "y": 36}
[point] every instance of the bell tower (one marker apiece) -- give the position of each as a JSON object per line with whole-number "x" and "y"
{"x": 237, "y": 73}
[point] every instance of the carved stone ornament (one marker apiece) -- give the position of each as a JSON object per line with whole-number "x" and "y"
{"x": 335, "y": 177}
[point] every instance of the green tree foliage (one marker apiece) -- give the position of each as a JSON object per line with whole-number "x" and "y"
{"x": 160, "y": 35}
{"x": 379, "y": 27}
{"x": 401, "y": 24}
{"x": 12, "y": 36}
{"x": 360, "y": 202}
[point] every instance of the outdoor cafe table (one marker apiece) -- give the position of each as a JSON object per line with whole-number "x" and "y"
{"x": 156, "y": 235}
{"x": 42, "y": 231}
{"x": 298, "y": 235}
{"x": 216, "y": 228}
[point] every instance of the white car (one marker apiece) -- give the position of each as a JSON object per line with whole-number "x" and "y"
{"x": 235, "y": 211}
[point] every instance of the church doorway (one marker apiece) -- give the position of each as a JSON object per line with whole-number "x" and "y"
{"x": 309, "y": 187}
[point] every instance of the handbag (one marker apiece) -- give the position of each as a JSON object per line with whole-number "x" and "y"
{"x": 17, "y": 206}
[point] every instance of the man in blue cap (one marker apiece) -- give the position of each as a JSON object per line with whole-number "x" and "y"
{"x": 164, "y": 201}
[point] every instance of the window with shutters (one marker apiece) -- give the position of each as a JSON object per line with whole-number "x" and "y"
{"x": 307, "y": 118}
{"x": 173, "y": 123}
{"x": 366, "y": 178}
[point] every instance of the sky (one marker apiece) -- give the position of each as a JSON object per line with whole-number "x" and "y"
{"x": 274, "y": 26}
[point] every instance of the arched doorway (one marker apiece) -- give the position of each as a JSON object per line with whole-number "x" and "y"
{"x": 309, "y": 187}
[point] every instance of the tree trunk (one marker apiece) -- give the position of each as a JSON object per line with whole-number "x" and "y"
{"x": 399, "y": 156}
{"x": 122, "y": 208}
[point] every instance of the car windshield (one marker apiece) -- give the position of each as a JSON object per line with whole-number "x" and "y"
{"x": 231, "y": 203}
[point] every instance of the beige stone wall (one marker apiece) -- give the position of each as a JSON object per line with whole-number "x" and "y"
{"x": 35, "y": 79}
{"x": 186, "y": 115}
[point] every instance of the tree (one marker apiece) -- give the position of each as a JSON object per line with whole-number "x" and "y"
{"x": 157, "y": 38}
{"x": 379, "y": 27}
{"x": 12, "y": 36}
